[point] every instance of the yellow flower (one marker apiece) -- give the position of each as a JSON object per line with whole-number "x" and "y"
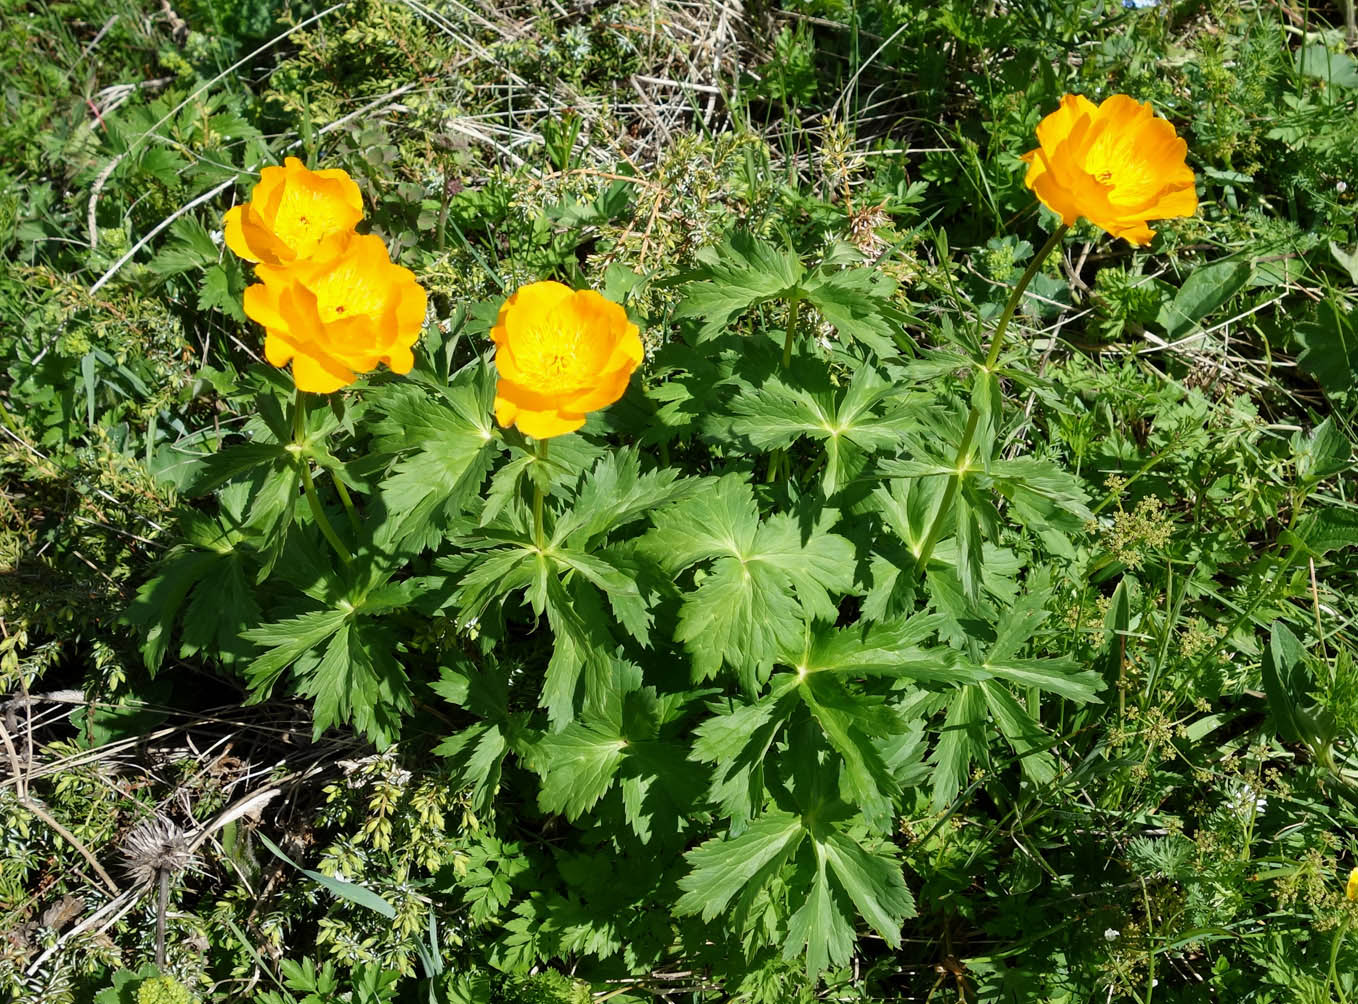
{"x": 338, "y": 317}
{"x": 1351, "y": 890}
{"x": 1115, "y": 164}
{"x": 560, "y": 354}
{"x": 294, "y": 213}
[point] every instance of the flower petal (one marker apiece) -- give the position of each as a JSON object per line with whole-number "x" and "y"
{"x": 319, "y": 374}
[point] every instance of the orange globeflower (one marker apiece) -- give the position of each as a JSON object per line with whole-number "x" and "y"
{"x": 339, "y": 317}
{"x": 294, "y": 213}
{"x": 560, "y": 353}
{"x": 1115, "y": 164}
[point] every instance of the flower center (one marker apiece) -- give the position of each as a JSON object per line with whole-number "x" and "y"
{"x": 558, "y": 354}
{"x": 349, "y": 290}
{"x": 305, "y": 217}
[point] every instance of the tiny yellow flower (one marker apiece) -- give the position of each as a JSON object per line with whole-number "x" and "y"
{"x": 1351, "y": 890}
{"x": 560, "y": 353}
{"x": 294, "y": 213}
{"x": 1115, "y": 164}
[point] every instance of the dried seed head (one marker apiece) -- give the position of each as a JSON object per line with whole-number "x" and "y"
{"x": 154, "y": 846}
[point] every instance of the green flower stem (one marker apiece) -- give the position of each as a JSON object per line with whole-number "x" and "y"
{"x": 962, "y": 462}
{"x": 792, "y": 310}
{"x": 347, "y": 499}
{"x": 304, "y": 465}
{"x": 539, "y": 537}
{"x": 778, "y": 458}
{"x": 1334, "y": 961}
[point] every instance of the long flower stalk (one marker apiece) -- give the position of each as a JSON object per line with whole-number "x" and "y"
{"x": 299, "y": 441}
{"x": 962, "y": 461}
{"x": 778, "y": 458}
{"x": 539, "y": 536}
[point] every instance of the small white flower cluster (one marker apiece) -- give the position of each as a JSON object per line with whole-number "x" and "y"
{"x": 1245, "y": 801}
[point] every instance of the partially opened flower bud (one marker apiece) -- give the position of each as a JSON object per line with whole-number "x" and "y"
{"x": 1115, "y": 164}
{"x": 294, "y": 213}
{"x": 338, "y": 317}
{"x": 560, "y": 353}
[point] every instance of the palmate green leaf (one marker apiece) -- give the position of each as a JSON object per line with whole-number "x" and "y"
{"x": 478, "y": 752}
{"x": 736, "y": 739}
{"x": 857, "y": 301}
{"x": 614, "y": 495}
{"x": 221, "y": 289}
{"x": 287, "y": 641}
{"x": 1021, "y": 618}
{"x": 221, "y": 606}
{"x": 736, "y": 616}
{"x": 659, "y": 787}
{"x": 204, "y": 583}
{"x": 190, "y": 247}
{"x": 961, "y": 743}
{"x": 873, "y": 881}
{"x": 1045, "y": 498}
{"x": 720, "y": 520}
{"x": 1030, "y": 742}
{"x": 583, "y": 649}
{"x": 820, "y": 927}
{"x": 893, "y": 649}
{"x": 213, "y": 471}
{"x": 616, "y": 741}
{"x": 1062, "y": 676}
{"x": 492, "y": 577}
{"x": 358, "y": 681}
{"x": 906, "y": 506}
{"x": 723, "y": 866}
{"x": 849, "y": 880}
{"x": 446, "y": 446}
{"x": 763, "y": 582}
{"x": 159, "y": 601}
{"x": 740, "y": 273}
{"x": 578, "y": 765}
{"x": 616, "y": 581}
{"x": 849, "y": 722}
{"x": 776, "y": 414}
{"x": 343, "y": 660}
{"x": 746, "y": 605}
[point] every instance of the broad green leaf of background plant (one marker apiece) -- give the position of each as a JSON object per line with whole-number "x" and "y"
{"x": 1330, "y": 347}
{"x": 1289, "y": 684}
{"x": 1203, "y": 291}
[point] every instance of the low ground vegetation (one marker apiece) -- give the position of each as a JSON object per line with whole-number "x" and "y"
{"x": 748, "y": 690}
